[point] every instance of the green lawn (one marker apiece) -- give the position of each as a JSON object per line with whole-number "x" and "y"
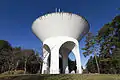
{"x": 61, "y": 77}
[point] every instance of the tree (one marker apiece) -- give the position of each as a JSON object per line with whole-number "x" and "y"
{"x": 91, "y": 65}
{"x": 5, "y": 56}
{"x": 5, "y": 45}
{"x": 18, "y": 56}
{"x": 39, "y": 60}
{"x": 15, "y": 58}
{"x": 91, "y": 47}
{"x": 26, "y": 55}
{"x": 108, "y": 39}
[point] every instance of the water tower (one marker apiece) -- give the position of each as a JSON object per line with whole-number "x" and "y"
{"x": 60, "y": 33}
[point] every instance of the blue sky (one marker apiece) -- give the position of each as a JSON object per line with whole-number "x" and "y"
{"x": 16, "y": 17}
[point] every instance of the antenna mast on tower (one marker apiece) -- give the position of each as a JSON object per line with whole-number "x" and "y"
{"x": 55, "y": 9}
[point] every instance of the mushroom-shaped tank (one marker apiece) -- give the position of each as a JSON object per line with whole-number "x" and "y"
{"x": 60, "y": 24}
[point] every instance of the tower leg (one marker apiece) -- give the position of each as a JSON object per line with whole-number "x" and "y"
{"x": 45, "y": 63}
{"x": 78, "y": 60}
{"x": 54, "y": 68}
{"x": 65, "y": 63}
{"x": 44, "y": 68}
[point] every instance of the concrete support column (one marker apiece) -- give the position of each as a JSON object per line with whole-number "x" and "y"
{"x": 54, "y": 68}
{"x": 45, "y": 62}
{"x": 65, "y": 63}
{"x": 78, "y": 60}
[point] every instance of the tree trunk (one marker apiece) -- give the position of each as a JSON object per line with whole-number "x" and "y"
{"x": 17, "y": 65}
{"x": 98, "y": 69}
{"x": 25, "y": 66}
{"x": 9, "y": 67}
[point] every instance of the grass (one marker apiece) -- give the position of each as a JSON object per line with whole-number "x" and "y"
{"x": 60, "y": 77}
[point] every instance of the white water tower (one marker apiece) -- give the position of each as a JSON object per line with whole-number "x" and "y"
{"x": 60, "y": 33}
